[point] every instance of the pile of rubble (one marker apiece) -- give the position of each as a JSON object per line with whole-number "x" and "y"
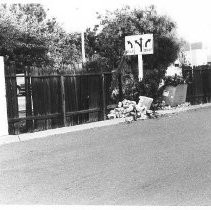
{"x": 131, "y": 111}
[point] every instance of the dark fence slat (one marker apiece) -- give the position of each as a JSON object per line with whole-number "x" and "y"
{"x": 12, "y": 100}
{"x": 95, "y": 97}
{"x": 103, "y": 97}
{"x": 63, "y": 101}
{"x": 29, "y": 123}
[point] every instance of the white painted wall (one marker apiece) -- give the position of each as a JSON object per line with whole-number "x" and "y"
{"x": 3, "y": 104}
{"x": 197, "y": 57}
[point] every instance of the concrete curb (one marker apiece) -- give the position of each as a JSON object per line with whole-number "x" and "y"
{"x": 41, "y": 134}
{"x": 51, "y": 132}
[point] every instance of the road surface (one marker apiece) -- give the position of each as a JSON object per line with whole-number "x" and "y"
{"x": 164, "y": 161}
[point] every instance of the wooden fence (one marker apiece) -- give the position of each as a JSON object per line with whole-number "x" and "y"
{"x": 53, "y": 101}
{"x": 199, "y": 88}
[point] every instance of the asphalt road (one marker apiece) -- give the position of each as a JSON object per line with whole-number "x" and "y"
{"x": 165, "y": 161}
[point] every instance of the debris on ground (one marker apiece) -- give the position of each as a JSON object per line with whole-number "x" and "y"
{"x": 169, "y": 110}
{"x": 184, "y": 105}
{"x": 132, "y": 111}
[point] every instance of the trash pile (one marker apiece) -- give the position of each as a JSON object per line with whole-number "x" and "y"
{"x": 131, "y": 111}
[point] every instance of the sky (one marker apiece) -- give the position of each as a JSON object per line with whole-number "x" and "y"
{"x": 193, "y": 17}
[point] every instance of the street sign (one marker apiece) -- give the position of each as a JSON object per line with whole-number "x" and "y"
{"x": 130, "y": 45}
{"x": 139, "y": 44}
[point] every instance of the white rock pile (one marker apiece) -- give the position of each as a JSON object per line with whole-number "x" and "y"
{"x": 131, "y": 111}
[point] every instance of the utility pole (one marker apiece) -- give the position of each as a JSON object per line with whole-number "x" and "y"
{"x": 79, "y": 15}
{"x": 83, "y": 48}
{"x": 191, "y": 58}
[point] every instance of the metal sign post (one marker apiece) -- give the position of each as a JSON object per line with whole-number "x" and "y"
{"x": 139, "y": 45}
{"x": 140, "y": 67}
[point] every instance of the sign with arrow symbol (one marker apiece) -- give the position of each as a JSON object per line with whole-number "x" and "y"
{"x": 139, "y": 44}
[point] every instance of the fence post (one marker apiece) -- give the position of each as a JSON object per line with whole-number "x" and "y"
{"x": 63, "y": 101}
{"x": 103, "y": 97}
{"x": 29, "y": 123}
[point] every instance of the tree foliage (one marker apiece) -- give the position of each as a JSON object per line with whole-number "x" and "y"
{"x": 107, "y": 39}
{"x": 28, "y": 36}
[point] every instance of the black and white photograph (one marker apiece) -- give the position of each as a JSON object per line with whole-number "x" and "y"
{"x": 105, "y": 103}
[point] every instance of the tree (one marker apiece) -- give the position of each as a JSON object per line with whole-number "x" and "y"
{"x": 28, "y": 37}
{"x": 20, "y": 37}
{"x": 109, "y": 41}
